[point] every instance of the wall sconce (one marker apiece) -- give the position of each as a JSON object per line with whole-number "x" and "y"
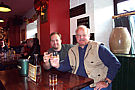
{"x": 1, "y": 20}
{"x": 42, "y": 12}
{"x": 4, "y": 8}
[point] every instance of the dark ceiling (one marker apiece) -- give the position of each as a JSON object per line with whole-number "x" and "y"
{"x": 19, "y": 7}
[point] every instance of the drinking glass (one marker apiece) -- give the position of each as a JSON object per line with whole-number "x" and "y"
{"x": 52, "y": 79}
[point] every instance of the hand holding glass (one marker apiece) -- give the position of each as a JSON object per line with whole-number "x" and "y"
{"x": 46, "y": 57}
{"x": 55, "y": 61}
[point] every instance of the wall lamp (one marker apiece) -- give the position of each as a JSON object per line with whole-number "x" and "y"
{"x": 1, "y": 20}
{"x": 4, "y": 8}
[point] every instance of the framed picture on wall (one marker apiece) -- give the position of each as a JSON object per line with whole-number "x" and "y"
{"x": 74, "y": 40}
{"x": 92, "y": 36}
{"x": 83, "y": 21}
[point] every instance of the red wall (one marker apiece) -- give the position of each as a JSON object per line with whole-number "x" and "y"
{"x": 58, "y": 21}
{"x": 14, "y": 35}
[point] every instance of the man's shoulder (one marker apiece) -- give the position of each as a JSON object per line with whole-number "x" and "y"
{"x": 67, "y": 45}
{"x": 74, "y": 47}
{"x": 91, "y": 42}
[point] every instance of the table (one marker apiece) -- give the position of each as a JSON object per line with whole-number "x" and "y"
{"x": 8, "y": 63}
{"x": 66, "y": 81}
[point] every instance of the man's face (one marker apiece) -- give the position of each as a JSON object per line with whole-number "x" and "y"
{"x": 82, "y": 36}
{"x": 55, "y": 41}
{"x": 29, "y": 43}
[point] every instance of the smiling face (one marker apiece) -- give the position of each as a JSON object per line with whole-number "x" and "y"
{"x": 56, "y": 42}
{"x": 82, "y": 36}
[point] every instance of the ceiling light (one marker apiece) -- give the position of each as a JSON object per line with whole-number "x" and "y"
{"x": 4, "y": 8}
{"x": 1, "y": 20}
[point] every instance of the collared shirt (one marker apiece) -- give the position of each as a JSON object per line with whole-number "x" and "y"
{"x": 81, "y": 70}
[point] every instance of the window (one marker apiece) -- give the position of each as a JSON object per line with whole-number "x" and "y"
{"x": 31, "y": 30}
{"x": 126, "y": 7}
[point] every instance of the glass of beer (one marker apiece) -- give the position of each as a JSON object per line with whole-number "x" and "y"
{"x": 52, "y": 79}
{"x": 47, "y": 55}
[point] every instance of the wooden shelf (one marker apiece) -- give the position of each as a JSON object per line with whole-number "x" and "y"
{"x": 124, "y": 14}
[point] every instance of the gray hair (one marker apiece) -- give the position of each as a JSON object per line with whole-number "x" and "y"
{"x": 84, "y": 27}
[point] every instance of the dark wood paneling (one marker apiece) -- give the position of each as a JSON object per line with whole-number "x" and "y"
{"x": 81, "y": 9}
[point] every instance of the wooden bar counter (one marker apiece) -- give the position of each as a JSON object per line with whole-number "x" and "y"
{"x": 12, "y": 80}
{"x": 8, "y": 63}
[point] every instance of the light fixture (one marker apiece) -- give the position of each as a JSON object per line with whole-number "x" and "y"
{"x": 42, "y": 12}
{"x": 4, "y": 8}
{"x": 1, "y": 20}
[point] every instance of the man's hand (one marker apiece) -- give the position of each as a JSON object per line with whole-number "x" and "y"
{"x": 55, "y": 61}
{"x": 102, "y": 84}
{"x": 46, "y": 57}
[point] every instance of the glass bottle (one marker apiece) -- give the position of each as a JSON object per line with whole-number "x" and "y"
{"x": 38, "y": 67}
{"x": 5, "y": 54}
{"x": 12, "y": 52}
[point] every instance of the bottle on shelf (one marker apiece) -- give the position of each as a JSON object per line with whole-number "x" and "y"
{"x": 12, "y": 52}
{"x": 5, "y": 54}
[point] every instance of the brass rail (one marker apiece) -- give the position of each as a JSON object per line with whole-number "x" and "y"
{"x": 124, "y": 14}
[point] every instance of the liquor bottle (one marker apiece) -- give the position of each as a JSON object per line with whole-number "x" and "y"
{"x": 38, "y": 67}
{"x": 12, "y": 53}
{"x": 5, "y": 54}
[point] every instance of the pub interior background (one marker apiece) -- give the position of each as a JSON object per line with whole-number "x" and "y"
{"x": 52, "y": 16}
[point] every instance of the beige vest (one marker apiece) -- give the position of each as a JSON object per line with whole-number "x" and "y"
{"x": 93, "y": 65}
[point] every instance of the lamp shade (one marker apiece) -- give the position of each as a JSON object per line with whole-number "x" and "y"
{"x": 1, "y": 20}
{"x": 4, "y": 8}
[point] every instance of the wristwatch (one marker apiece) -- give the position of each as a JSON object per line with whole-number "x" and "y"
{"x": 106, "y": 81}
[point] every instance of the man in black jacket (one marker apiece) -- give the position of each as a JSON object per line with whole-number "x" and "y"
{"x": 57, "y": 49}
